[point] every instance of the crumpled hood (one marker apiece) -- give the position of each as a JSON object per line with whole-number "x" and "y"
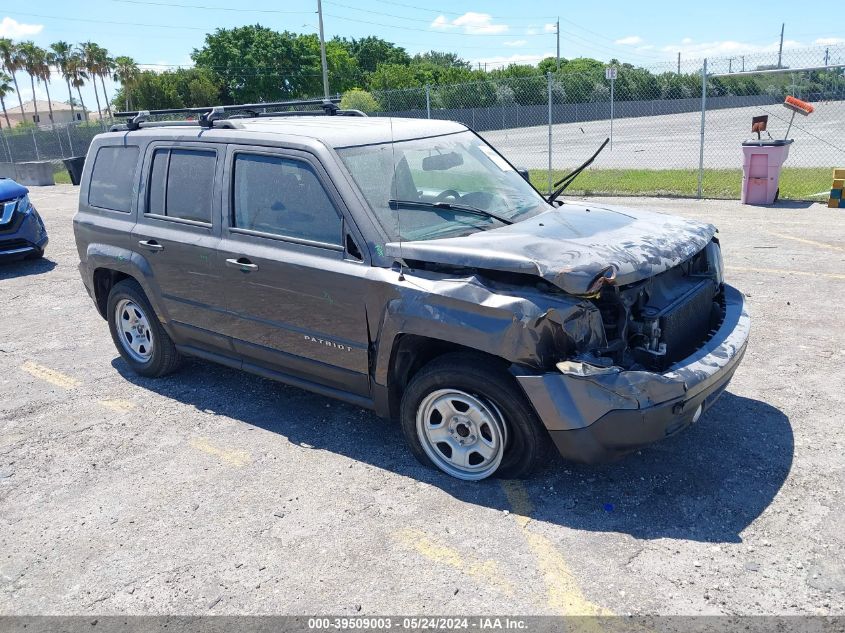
{"x": 571, "y": 245}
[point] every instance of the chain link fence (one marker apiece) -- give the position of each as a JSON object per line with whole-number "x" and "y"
{"x": 673, "y": 129}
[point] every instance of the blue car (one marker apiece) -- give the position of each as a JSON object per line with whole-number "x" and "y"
{"x": 22, "y": 232}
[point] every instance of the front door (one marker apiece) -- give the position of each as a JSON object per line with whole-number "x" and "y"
{"x": 178, "y": 233}
{"x": 296, "y": 294}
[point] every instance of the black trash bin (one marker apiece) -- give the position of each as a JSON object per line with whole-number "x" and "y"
{"x": 74, "y": 168}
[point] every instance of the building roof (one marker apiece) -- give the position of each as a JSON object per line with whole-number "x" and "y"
{"x": 43, "y": 106}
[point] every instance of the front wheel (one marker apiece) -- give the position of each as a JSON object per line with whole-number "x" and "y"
{"x": 467, "y": 417}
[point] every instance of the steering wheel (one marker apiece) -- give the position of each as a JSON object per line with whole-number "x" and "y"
{"x": 449, "y": 193}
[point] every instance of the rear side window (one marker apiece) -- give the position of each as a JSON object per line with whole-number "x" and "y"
{"x": 113, "y": 178}
{"x": 283, "y": 197}
{"x": 182, "y": 184}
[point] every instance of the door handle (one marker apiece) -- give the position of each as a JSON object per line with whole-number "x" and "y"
{"x": 151, "y": 245}
{"x": 242, "y": 264}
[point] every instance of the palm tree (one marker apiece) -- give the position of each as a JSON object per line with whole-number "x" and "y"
{"x": 60, "y": 54}
{"x": 105, "y": 65}
{"x": 32, "y": 60}
{"x": 126, "y": 72}
{"x": 5, "y": 88}
{"x": 11, "y": 63}
{"x": 44, "y": 74}
{"x": 88, "y": 52}
{"x": 77, "y": 76}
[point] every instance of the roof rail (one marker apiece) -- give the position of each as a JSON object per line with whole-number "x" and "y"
{"x": 206, "y": 116}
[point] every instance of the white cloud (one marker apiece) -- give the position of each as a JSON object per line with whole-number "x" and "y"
{"x": 686, "y": 40}
{"x": 829, "y": 41}
{"x": 515, "y": 43}
{"x": 551, "y": 27}
{"x": 631, "y": 40}
{"x": 726, "y": 48}
{"x": 471, "y": 23}
{"x": 531, "y": 30}
{"x": 14, "y": 29}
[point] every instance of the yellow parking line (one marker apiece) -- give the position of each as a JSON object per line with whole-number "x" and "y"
{"x": 233, "y": 457}
{"x": 120, "y": 406}
{"x": 563, "y": 595}
{"x": 52, "y": 376}
{"x": 487, "y": 571}
{"x": 806, "y": 241}
{"x": 782, "y": 271}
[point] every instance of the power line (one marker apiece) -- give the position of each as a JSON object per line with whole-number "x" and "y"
{"x": 444, "y": 11}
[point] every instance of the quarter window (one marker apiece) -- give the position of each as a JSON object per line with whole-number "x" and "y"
{"x": 182, "y": 184}
{"x": 284, "y": 197}
{"x": 113, "y": 178}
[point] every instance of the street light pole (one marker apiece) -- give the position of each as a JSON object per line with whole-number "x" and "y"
{"x": 557, "y": 24}
{"x": 323, "y": 50}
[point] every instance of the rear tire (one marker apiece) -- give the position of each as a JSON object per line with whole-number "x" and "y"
{"x": 137, "y": 332}
{"x": 467, "y": 417}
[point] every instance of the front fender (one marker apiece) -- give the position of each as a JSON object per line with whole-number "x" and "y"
{"x": 518, "y": 324}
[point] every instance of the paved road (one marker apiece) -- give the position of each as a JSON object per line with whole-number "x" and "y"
{"x": 672, "y": 141}
{"x": 216, "y": 492}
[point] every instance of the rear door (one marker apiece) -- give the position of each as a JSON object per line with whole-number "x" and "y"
{"x": 295, "y": 277}
{"x": 178, "y": 233}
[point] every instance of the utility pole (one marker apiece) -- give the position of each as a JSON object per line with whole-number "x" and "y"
{"x": 780, "y": 49}
{"x": 730, "y": 64}
{"x": 557, "y": 31}
{"x": 826, "y": 56}
{"x": 323, "y": 50}
{"x": 743, "y": 63}
{"x": 679, "y": 62}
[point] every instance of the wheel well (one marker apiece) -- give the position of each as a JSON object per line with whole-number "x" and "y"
{"x": 410, "y": 354}
{"x": 104, "y": 280}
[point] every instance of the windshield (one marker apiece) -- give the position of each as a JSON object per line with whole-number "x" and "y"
{"x": 456, "y": 169}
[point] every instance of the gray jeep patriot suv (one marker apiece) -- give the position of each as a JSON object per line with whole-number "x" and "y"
{"x": 405, "y": 266}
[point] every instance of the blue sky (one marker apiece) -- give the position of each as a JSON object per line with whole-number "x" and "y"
{"x": 161, "y": 33}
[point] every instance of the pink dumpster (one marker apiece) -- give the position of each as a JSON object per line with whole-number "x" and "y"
{"x": 761, "y": 170}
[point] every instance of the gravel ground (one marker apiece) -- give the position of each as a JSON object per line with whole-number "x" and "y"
{"x": 217, "y": 492}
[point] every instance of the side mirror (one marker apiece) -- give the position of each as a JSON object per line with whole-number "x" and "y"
{"x": 523, "y": 173}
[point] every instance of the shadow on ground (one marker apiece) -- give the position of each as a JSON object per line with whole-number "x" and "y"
{"x": 24, "y": 267}
{"x": 705, "y": 484}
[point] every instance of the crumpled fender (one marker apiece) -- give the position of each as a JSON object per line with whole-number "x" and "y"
{"x": 526, "y": 327}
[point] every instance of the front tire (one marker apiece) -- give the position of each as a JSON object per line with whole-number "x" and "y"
{"x": 467, "y": 417}
{"x": 137, "y": 332}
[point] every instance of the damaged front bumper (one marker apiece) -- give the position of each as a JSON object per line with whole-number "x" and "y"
{"x": 594, "y": 414}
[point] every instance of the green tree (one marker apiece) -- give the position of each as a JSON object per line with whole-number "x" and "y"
{"x": 77, "y": 75}
{"x": 357, "y": 99}
{"x": 370, "y": 52}
{"x": 255, "y": 64}
{"x": 126, "y": 72}
{"x": 180, "y": 88}
{"x": 12, "y": 63}
{"x": 6, "y": 87}
{"x": 59, "y": 55}
{"x": 89, "y": 54}
{"x": 32, "y": 60}
{"x": 442, "y": 59}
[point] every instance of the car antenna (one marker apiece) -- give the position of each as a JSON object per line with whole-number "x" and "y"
{"x": 568, "y": 178}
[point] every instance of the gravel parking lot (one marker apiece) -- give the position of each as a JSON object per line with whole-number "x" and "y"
{"x": 217, "y": 492}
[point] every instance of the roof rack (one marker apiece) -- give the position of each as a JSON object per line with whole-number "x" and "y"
{"x": 207, "y": 116}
